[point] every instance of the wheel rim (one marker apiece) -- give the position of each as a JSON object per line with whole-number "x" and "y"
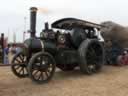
{"x": 42, "y": 69}
{"x": 94, "y": 58}
{"x": 19, "y": 64}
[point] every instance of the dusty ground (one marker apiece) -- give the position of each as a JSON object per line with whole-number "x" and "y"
{"x": 112, "y": 81}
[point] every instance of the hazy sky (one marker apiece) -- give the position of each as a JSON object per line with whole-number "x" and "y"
{"x": 12, "y": 13}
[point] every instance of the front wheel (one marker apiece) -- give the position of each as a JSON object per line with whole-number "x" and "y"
{"x": 19, "y": 65}
{"x": 41, "y": 67}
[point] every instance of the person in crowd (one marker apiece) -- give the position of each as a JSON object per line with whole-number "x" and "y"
{"x": 13, "y": 49}
{"x": 6, "y": 52}
{"x": 18, "y": 49}
{"x": 108, "y": 48}
{"x": 123, "y": 58}
{"x": 115, "y": 52}
{"x": 12, "y": 52}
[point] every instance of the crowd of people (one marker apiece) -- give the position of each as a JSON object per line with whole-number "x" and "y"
{"x": 116, "y": 55}
{"x": 9, "y": 52}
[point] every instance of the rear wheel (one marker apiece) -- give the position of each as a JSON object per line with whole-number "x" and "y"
{"x": 41, "y": 67}
{"x": 91, "y": 56}
{"x": 19, "y": 65}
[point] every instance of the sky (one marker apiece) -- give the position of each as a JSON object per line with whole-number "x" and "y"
{"x": 13, "y": 12}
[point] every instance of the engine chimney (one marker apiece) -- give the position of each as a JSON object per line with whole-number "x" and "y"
{"x": 46, "y": 26}
{"x": 33, "y": 12}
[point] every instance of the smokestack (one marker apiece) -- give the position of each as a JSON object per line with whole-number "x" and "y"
{"x": 33, "y": 12}
{"x": 46, "y": 26}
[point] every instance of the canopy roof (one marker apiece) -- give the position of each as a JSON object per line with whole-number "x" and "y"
{"x": 69, "y": 23}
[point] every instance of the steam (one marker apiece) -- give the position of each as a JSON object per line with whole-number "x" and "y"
{"x": 44, "y": 10}
{"x": 115, "y": 32}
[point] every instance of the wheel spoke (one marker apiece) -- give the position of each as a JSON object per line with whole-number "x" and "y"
{"x": 26, "y": 70}
{"x": 21, "y": 70}
{"x": 21, "y": 58}
{"x": 46, "y": 74}
{"x": 39, "y": 76}
{"x": 18, "y": 60}
{"x": 42, "y": 76}
{"x": 17, "y": 67}
{"x": 35, "y": 72}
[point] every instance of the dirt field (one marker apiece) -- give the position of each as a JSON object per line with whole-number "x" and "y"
{"x": 112, "y": 81}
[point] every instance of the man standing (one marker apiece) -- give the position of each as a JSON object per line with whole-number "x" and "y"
{"x": 6, "y": 51}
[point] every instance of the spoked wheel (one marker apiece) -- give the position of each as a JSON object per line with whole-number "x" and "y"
{"x": 41, "y": 67}
{"x": 91, "y": 56}
{"x": 19, "y": 65}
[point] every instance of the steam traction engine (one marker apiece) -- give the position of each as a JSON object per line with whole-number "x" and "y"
{"x": 73, "y": 44}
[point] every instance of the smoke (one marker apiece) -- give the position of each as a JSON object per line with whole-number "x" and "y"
{"x": 44, "y": 10}
{"x": 115, "y": 32}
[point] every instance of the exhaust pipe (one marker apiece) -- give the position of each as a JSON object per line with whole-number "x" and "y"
{"x": 46, "y": 25}
{"x": 33, "y": 12}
